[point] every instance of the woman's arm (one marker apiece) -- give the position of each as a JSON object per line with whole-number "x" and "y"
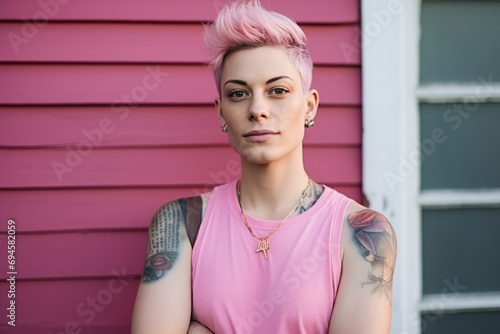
{"x": 163, "y": 302}
{"x": 364, "y": 299}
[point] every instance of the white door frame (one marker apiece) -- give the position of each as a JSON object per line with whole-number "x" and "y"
{"x": 391, "y": 169}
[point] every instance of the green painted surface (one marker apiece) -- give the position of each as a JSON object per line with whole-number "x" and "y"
{"x": 466, "y": 154}
{"x": 461, "y": 250}
{"x": 461, "y": 323}
{"x": 460, "y": 42}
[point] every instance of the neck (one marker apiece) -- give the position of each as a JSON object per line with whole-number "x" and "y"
{"x": 271, "y": 191}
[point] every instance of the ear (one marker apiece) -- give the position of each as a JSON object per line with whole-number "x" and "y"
{"x": 218, "y": 106}
{"x": 312, "y": 103}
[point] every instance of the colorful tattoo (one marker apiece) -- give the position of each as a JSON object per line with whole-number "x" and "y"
{"x": 377, "y": 244}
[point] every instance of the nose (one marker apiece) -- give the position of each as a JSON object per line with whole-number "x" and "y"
{"x": 258, "y": 109}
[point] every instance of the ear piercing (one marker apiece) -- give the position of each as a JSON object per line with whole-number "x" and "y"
{"x": 309, "y": 123}
{"x": 223, "y": 128}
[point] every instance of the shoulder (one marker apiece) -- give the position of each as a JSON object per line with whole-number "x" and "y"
{"x": 359, "y": 216}
{"x": 182, "y": 217}
{"x": 184, "y": 205}
{"x": 370, "y": 234}
{"x": 363, "y": 224}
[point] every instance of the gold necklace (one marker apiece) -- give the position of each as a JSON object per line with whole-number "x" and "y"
{"x": 263, "y": 241}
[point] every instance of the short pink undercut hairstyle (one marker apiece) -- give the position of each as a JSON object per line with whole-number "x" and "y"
{"x": 245, "y": 24}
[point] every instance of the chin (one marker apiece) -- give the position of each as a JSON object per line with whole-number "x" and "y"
{"x": 258, "y": 159}
{"x": 260, "y": 156}
{"x": 265, "y": 154}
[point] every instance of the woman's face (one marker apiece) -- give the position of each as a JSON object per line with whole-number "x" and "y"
{"x": 263, "y": 104}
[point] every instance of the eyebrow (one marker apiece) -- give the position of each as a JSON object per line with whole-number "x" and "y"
{"x": 244, "y": 83}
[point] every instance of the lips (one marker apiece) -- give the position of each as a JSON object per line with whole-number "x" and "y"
{"x": 259, "y": 132}
{"x": 260, "y": 135}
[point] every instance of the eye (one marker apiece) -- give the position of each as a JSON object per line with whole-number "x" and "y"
{"x": 237, "y": 94}
{"x": 279, "y": 91}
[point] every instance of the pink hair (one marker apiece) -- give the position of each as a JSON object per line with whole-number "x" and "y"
{"x": 245, "y": 24}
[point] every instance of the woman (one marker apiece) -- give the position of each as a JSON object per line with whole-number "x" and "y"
{"x": 275, "y": 252}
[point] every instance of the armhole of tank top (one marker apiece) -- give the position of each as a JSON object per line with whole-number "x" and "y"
{"x": 194, "y": 207}
{"x": 202, "y": 226}
{"x": 341, "y": 211}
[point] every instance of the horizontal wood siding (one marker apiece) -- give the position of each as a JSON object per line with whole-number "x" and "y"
{"x": 149, "y": 42}
{"x": 131, "y": 84}
{"x": 119, "y": 93}
{"x": 66, "y": 125}
{"x": 315, "y": 11}
{"x": 114, "y": 204}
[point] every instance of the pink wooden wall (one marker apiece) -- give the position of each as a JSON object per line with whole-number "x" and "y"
{"x": 87, "y": 76}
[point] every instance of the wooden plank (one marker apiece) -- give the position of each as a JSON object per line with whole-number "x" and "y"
{"x": 153, "y": 166}
{"x": 339, "y": 126}
{"x": 44, "y": 126}
{"x": 77, "y": 254}
{"x": 113, "y": 167}
{"x": 50, "y": 304}
{"x": 73, "y": 209}
{"x": 149, "y": 42}
{"x": 334, "y": 165}
{"x": 353, "y": 192}
{"x": 106, "y": 42}
{"x": 316, "y": 11}
{"x": 92, "y": 209}
{"x": 334, "y": 44}
{"x": 145, "y": 84}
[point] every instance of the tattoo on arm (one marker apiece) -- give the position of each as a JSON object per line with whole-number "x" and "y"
{"x": 313, "y": 193}
{"x": 377, "y": 244}
{"x": 164, "y": 240}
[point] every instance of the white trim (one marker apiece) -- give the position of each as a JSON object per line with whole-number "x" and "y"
{"x": 450, "y": 198}
{"x": 391, "y": 94}
{"x": 390, "y": 114}
{"x": 450, "y": 303}
{"x": 449, "y": 93}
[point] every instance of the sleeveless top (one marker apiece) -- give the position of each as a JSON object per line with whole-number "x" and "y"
{"x": 237, "y": 290}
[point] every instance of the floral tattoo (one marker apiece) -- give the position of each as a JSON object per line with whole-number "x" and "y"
{"x": 377, "y": 244}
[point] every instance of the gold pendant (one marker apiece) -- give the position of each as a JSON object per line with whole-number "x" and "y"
{"x": 263, "y": 247}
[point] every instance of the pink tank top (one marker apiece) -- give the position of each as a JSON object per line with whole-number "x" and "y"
{"x": 237, "y": 290}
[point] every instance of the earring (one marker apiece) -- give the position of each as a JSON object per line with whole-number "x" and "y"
{"x": 308, "y": 123}
{"x": 223, "y": 128}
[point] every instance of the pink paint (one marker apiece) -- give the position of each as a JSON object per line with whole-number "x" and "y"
{"x": 145, "y": 126}
{"x": 317, "y": 11}
{"x": 138, "y": 167}
{"x": 132, "y": 75}
{"x": 128, "y": 84}
{"x": 112, "y": 42}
